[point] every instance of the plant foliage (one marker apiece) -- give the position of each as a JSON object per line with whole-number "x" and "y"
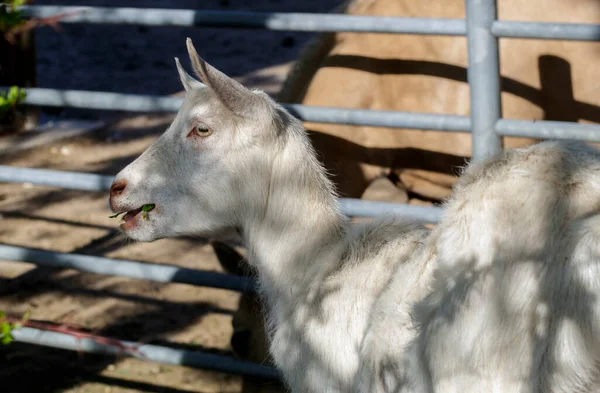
{"x": 10, "y": 16}
{"x": 10, "y": 99}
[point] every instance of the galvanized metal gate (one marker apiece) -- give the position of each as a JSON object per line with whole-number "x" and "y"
{"x": 485, "y": 123}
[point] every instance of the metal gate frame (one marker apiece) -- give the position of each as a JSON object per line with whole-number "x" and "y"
{"x": 485, "y": 123}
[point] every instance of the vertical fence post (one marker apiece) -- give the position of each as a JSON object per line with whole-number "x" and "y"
{"x": 484, "y": 78}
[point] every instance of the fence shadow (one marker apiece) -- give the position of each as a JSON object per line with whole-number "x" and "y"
{"x": 555, "y": 97}
{"x": 28, "y": 368}
{"x": 344, "y": 158}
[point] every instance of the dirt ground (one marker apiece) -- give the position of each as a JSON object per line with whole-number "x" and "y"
{"x": 133, "y": 60}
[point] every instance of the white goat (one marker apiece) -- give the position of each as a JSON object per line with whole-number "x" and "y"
{"x": 501, "y": 297}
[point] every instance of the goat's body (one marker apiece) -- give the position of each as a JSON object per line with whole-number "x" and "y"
{"x": 502, "y": 296}
{"x": 491, "y": 301}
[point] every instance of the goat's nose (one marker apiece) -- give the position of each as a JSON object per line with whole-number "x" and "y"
{"x": 117, "y": 188}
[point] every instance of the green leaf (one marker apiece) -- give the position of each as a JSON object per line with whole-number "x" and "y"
{"x": 16, "y": 95}
{"x": 149, "y": 207}
{"x": 6, "y": 335}
{"x": 7, "y": 339}
{"x": 5, "y": 327}
{"x": 2, "y": 315}
{"x": 13, "y": 94}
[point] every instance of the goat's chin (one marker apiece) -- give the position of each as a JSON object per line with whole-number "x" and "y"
{"x": 142, "y": 234}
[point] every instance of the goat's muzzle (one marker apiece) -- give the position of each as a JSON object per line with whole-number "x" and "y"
{"x": 116, "y": 190}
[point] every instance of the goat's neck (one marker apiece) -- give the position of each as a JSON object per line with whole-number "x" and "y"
{"x": 298, "y": 237}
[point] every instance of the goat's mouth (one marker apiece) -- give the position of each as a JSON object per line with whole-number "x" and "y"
{"x": 131, "y": 217}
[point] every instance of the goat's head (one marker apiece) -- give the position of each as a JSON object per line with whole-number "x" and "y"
{"x": 213, "y": 160}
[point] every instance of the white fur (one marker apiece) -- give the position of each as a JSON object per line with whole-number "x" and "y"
{"x": 500, "y": 297}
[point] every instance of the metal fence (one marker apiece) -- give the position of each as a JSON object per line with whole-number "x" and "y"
{"x": 485, "y": 123}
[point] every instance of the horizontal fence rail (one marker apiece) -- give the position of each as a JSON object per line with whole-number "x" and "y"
{"x": 123, "y": 268}
{"x": 251, "y": 20}
{"x": 364, "y": 208}
{"x": 548, "y": 130}
{"x": 149, "y": 103}
{"x": 95, "y": 182}
{"x": 159, "y": 354}
{"x": 51, "y": 178}
{"x": 311, "y": 22}
{"x": 546, "y": 31}
{"x": 101, "y": 100}
{"x": 374, "y": 118}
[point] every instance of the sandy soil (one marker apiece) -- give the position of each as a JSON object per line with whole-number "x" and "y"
{"x": 133, "y": 60}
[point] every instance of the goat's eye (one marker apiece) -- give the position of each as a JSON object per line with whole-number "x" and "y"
{"x": 200, "y": 130}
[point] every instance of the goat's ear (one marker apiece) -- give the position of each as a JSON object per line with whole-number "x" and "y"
{"x": 231, "y": 93}
{"x": 187, "y": 80}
